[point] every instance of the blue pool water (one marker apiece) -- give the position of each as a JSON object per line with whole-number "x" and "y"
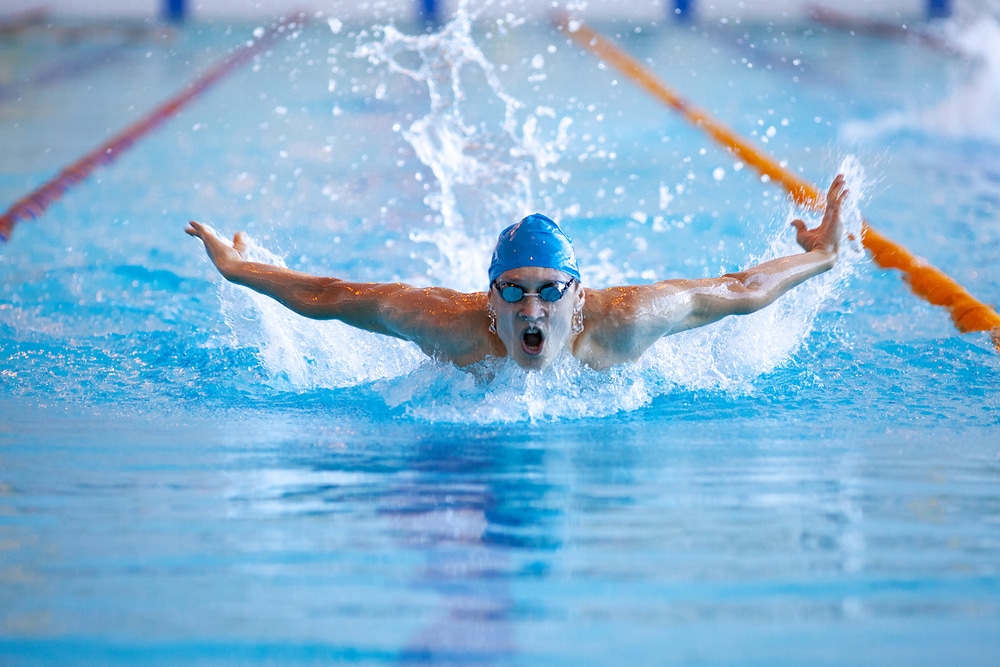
{"x": 188, "y": 474}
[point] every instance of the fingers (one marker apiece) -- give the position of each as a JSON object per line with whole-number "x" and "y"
{"x": 837, "y": 191}
{"x": 195, "y": 228}
{"x": 799, "y": 225}
{"x": 238, "y": 243}
{"x": 835, "y": 198}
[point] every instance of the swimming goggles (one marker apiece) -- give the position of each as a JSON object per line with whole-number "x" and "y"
{"x": 512, "y": 293}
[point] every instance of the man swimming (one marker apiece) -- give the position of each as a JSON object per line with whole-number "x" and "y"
{"x": 536, "y": 308}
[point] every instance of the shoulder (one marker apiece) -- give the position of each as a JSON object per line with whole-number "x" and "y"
{"x": 632, "y": 305}
{"x": 621, "y": 322}
{"x": 431, "y": 305}
{"x": 445, "y": 323}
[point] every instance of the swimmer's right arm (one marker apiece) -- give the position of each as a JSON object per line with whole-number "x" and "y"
{"x": 441, "y": 321}
{"x": 316, "y": 297}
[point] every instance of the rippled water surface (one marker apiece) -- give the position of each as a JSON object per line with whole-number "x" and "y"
{"x": 189, "y": 474}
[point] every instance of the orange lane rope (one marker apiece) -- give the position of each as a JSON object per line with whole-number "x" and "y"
{"x": 32, "y": 206}
{"x": 930, "y": 283}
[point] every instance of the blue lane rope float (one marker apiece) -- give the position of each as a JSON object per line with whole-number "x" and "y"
{"x": 32, "y": 206}
{"x": 928, "y": 282}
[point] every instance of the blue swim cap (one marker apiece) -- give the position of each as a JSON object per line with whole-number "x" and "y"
{"x": 535, "y": 241}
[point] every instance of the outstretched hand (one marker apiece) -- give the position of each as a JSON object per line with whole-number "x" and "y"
{"x": 224, "y": 256}
{"x": 827, "y": 235}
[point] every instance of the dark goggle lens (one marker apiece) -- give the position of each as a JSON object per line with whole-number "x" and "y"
{"x": 512, "y": 293}
{"x": 552, "y": 292}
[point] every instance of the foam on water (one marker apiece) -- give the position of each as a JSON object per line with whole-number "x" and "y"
{"x": 485, "y": 175}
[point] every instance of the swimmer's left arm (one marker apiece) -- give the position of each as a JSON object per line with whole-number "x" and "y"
{"x": 628, "y": 320}
{"x": 704, "y": 301}
{"x": 744, "y": 292}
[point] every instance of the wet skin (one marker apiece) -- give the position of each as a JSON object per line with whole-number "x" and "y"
{"x": 535, "y": 332}
{"x": 619, "y": 323}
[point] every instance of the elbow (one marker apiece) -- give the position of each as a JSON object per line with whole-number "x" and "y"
{"x": 748, "y": 292}
{"x": 744, "y": 285}
{"x": 827, "y": 258}
{"x": 310, "y": 305}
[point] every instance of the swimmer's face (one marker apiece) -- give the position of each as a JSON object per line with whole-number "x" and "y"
{"x": 534, "y": 331}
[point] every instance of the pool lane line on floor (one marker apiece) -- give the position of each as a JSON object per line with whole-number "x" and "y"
{"x": 933, "y": 285}
{"x": 35, "y": 204}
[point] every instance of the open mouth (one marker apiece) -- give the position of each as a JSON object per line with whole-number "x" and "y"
{"x": 532, "y": 341}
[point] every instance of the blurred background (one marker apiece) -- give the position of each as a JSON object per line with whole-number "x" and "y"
{"x": 898, "y": 10}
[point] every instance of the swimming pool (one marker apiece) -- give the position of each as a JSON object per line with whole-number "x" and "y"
{"x": 188, "y": 474}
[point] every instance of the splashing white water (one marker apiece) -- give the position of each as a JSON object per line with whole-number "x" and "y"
{"x": 728, "y": 356}
{"x": 974, "y": 106}
{"x": 301, "y": 354}
{"x": 474, "y": 165}
{"x": 487, "y": 173}
{"x": 971, "y": 109}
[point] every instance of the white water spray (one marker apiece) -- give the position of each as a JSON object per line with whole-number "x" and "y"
{"x": 487, "y": 173}
{"x": 483, "y": 176}
{"x": 302, "y": 354}
{"x": 973, "y": 107}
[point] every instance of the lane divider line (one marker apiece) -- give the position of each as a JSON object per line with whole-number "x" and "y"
{"x": 928, "y": 282}
{"x": 32, "y": 206}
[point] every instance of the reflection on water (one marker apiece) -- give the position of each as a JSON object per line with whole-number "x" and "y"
{"x": 317, "y": 531}
{"x": 504, "y": 547}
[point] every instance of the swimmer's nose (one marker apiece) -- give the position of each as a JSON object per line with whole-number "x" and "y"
{"x": 531, "y": 308}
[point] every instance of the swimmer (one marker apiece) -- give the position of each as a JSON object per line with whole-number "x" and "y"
{"x": 536, "y": 308}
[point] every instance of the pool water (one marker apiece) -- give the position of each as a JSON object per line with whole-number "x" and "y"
{"x": 190, "y": 474}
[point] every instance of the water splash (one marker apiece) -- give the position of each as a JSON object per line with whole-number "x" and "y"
{"x": 973, "y": 107}
{"x": 484, "y": 173}
{"x": 729, "y": 356}
{"x": 301, "y": 354}
{"x": 499, "y": 391}
{"x": 488, "y": 170}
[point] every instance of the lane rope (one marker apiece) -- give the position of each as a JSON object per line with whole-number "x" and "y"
{"x": 928, "y": 282}
{"x": 32, "y": 206}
